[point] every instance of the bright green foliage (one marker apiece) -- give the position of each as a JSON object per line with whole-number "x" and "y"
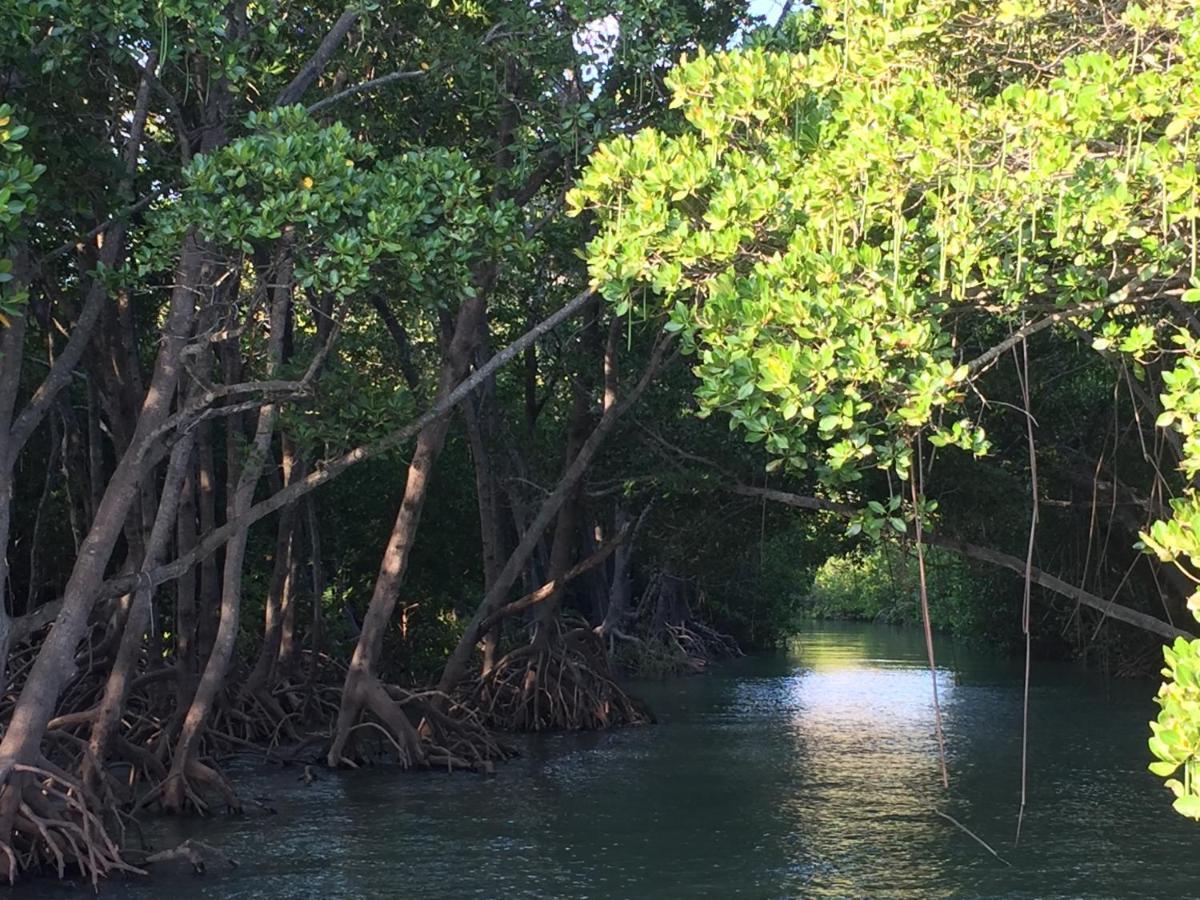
{"x": 879, "y": 583}
{"x": 1176, "y": 738}
{"x": 828, "y": 216}
{"x": 17, "y": 174}
{"x": 410, "y": 228}
{"x": 831, "y": 221}
{"x": 344, "y": 210}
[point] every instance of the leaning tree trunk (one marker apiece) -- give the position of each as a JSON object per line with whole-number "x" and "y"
{"x": 479, "y": 414}
{"x": 621, "y": 587}
{"x": 362, "y": 689}
{"x": 108, "y": 713}
{"x": 282, "y": 587}
{"x": 562, "y": 547}
{"x": 15, "y": 431}
{"x": 20, "y": 750}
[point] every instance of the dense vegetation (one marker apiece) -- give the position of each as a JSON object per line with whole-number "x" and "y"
{"x": 379, "y": 378}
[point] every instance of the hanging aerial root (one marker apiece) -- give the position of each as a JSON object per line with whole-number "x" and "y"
{"x": 51, "y": 822}
{"x": 561, "y": 683}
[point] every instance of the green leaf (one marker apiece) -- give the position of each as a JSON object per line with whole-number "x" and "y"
{"x": 1188, "y": 805}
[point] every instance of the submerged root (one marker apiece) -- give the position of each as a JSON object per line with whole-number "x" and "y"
{"x": 562, "y": 683}
{"x": 195, "y": 853}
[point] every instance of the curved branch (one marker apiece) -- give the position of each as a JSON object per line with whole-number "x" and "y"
{"x": 371, "y": 85}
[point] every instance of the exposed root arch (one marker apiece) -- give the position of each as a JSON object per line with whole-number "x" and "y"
{"x": 563, "y": 682}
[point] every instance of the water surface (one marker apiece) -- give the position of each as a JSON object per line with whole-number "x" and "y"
{"x": 806, "y": 773}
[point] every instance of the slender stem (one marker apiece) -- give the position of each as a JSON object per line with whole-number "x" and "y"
{"x": 924, "y": 590}
{"x": 1023, "y": 379}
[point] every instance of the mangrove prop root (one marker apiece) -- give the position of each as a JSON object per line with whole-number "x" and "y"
{"x": 192, "y": 790}
{"x": 563, "y": 683}
{"x": 195, "y": 853}
{"x": 681, "y": 649}
{"x": 416, "y": 729}
{"x": 49, "y": 821}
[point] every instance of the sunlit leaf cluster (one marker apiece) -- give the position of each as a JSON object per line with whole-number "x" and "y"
{"x": 829, "y": 216}
{"x": 419, "y": 217}
{"x": 17, "y": 176}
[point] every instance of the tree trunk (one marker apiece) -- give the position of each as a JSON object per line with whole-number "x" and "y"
{"x": 479, "y": 414}
{"x": 457, "y": 665}
{"x": 55, "y": 663}
{"x": 362, "y": 687}
{"x": 209, "y": 598}
{"x": 112, "y": 704}
{"x": 283, "y": 583}
{"x": 183, "y": 764}
{"x": 185, "y": 588}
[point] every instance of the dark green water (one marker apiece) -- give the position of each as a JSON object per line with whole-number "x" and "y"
{"x": 811, "y": 773}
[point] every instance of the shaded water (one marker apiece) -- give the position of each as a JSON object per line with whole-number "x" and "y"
{"x": 810, "y": 773}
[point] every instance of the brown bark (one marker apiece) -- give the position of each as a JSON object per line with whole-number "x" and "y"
{"x": 480, "y": 416}
{"x": 283, "y": 582}
{"x": 562, "y": 548}
{"x": 15, "y": 430}
{"x": 317, "y": 563}
{"x": 112, "y": 703}
{"x": 209, "y": 597}
{"x": 185, "y": 588}
{"x": 319, "y": 60}
{"x": 217, "y": 537}
{"x": 551, "y": 588}
{"x": 286, "y": 658}
{"x": 621, "y": 586}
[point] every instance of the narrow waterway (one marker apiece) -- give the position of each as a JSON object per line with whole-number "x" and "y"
{"x": 807, "y": 773}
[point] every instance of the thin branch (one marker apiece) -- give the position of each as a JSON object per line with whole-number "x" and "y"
{"x": 1023, "y": 379}
{"x": 373, "y": 84}
{"x": 1110, "y": 608}
{"x": 119, "y": 216}
{"x": 317, "y": 62}
{"x": 1130, "y": 293}
{"x": 550, "y": 588}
